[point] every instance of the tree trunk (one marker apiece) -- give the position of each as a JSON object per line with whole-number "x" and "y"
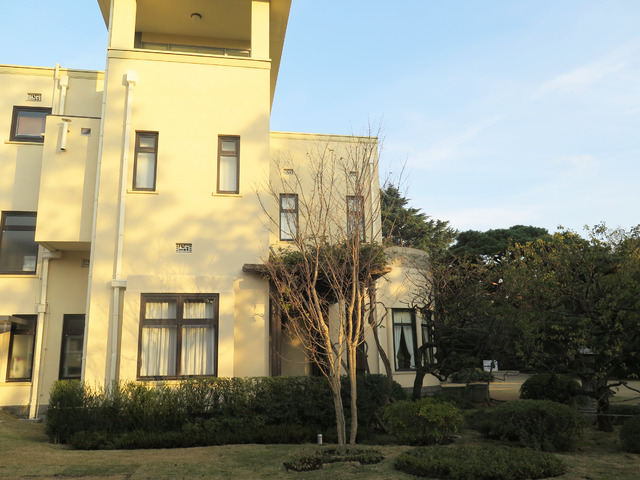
{"x": 354, "y": 396}
{"x": 339, "y": 408}
{"x": 417, "y": 383}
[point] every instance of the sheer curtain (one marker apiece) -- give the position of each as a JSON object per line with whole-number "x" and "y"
{"x": 159, "y": 342}
{"x": 198, "y": 341}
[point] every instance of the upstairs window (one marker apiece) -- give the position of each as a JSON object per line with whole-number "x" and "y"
{"x": 18, "y": 249}
{"x": 145, "y": 164}
{"x": 288, "y": 216}
{"x": 27, "y": 124}
{"x": 355, "y": 217}
{"x": 178, "y": 335}
{"x": 228, "y": 164}
{"x": 22, "y": 331}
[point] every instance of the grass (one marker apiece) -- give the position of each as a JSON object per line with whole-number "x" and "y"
{"x": 26, "y": 453}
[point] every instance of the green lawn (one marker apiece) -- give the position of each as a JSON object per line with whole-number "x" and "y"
{"x": 26, "y": 453}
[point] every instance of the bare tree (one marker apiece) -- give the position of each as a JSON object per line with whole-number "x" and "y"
{"x": 323, "y": 201}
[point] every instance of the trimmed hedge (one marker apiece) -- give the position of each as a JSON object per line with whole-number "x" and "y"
{"x": 550, "y": 386}
{"x": 209, "y": 411}
{"x": 537, "y": 424}
{"x": 423, "y": 422}
{"x": 479, "y": 462}
{"x": 314, "y": 459}
{"x": 630, "y": 435}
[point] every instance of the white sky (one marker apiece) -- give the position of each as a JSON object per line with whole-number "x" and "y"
{"x": 504, "y": 111}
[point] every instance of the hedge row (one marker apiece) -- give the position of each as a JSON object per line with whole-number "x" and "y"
{"x": 204, "y": 411}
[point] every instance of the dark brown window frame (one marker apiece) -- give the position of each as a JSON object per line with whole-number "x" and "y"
{"x": 3, "y": 218}
{"x": 30, "y": 331}
{"x": 287, "y": 211}
{"x": 413, "y": 333}
{"x": 17, "y": 109}
{"x": 178, "y": 322}
{"x": 139, "y": 149}
{"x": 227, "y": 138}
{"x": 356, "y": 216}
{"x": 68, "y": 330}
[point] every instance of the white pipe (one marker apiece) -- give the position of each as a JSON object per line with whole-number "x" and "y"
{"x": 34, "y": 400}
{"x": 54, "y": 94}
{"x": 94, "y": 220}
{"x": 63, "y": 136}
{"x": 64, "y": 85}
{"x": 117, "y": 282}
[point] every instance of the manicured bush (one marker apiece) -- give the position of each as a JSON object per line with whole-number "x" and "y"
{"x": 210, "y": 411}
{"x": 537, "y": 424}
{"x": 471, "y": 375}
{"x": 479, "y": 462}
{"x": 630, "y": 435}
{"x": 621, "y": 413}
{"x": 423, "y": 422}
{"x": 313, "y": 459}
{"x": 550, "y": 386}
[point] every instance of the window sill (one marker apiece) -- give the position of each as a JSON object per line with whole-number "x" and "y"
{"x": 216, "y": 194}
{"x": 18, "y": 275}
{"x": 143, "y": 192}
{"x": 21, "y": 142}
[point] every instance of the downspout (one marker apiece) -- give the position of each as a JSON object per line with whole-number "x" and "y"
{"x": 118, "y": 282}
{"x": 56, "y": 82}
{"x": 94, "y": 221}
{"x": 34, "y": 401}
{"x": 63, "y": 83}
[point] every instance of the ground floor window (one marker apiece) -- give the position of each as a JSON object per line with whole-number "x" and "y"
{"x": 404, "y": 339}
{"x": 178, "y": 335}
{"x": 22, "y": 334}
{"x": 72, "y": 344}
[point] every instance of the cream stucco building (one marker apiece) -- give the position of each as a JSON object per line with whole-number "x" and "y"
{"x": 129, "y": 206}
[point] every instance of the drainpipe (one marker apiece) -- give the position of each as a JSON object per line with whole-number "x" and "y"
{"x": 63, "y": 83}
{"x": 118, "y": 282}
{"x": 56, "y": 82}
{"x": 34, "y": 401}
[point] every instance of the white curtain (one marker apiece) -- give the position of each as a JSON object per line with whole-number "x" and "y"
{"x": 404, "y": 342}
{"x": 198, "y": 350}
{"x": 165, "y": 310}
{"x": 198, "y": 309}
{"x": 158, "y": 351}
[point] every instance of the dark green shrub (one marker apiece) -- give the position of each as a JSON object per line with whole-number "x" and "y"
{"x": 423, "y": 422}
{"x": 550, "y": 386}
{"x": 209, "y": 411}
{"x": 621, "y": 413}
{"x": 537, "y": 424}
{"x": 630, "y": 435}
{"x": 471, "y": 375}
{"x": 314, "y": 459}
{"x": 479, "y": 462}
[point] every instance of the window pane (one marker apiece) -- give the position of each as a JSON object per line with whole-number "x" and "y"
{"x": 147, "y": 141}
{"x": 287, "y": 226}
{"x": 158, "y": 351}
{"x": 228, "y": 181}
{"x": 404, "y": 340}
{"x": 229, "y": 146}
{"x": 30, "y": 123}
{"x": 145, "y": 170}
{"x": 288, "y": 202}
{"x": 160, "y": 310}
{"x": 72, "y": 345}
{"x": 198, "y": 309}
{"x": 20, "y": 220}
{"x": 198, "y": 350}
{"x": 18, "y": 251}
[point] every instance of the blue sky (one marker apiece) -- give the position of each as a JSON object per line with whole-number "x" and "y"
{"x": 502, "y": 112}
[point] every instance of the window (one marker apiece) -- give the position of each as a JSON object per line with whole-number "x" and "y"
{"x": 27, "y": 124}
{"x": 228, "y": 164}
{"x": 355, "y": 217}
{"x": 288, "y": 216}
{"x": 178, "y": 335}
{"x": 145, "y": 164}
{"x": 72, "y": 344}
{"x": 22, "y": 331}
{"x": 404, "y": 339}
{"x": 427, "y": 337}
{"x": 18, "y": 249}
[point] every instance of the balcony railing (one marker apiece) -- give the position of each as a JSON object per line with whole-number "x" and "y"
{"x": 172, "y": 47}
